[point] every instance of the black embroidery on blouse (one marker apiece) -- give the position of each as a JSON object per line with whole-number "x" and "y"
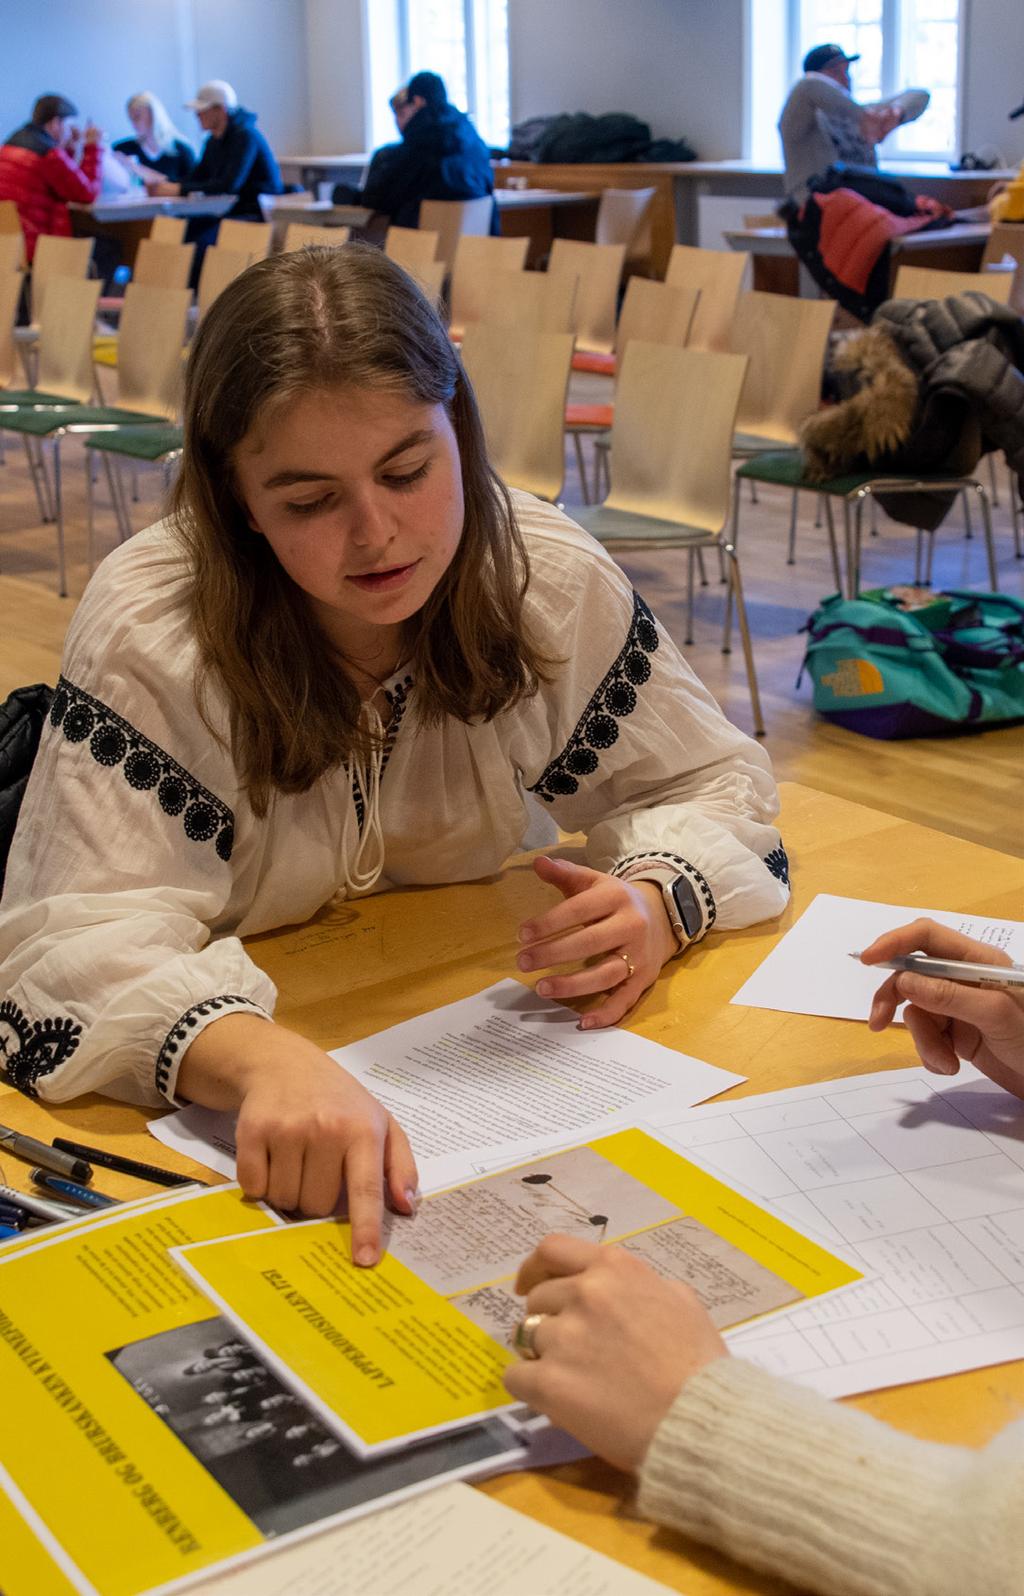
{"x": 144, "y": 766}
{"x": 30, "y": 1049}
{"x": 398, "y": 698}
{"x": 777, "y": 864}
{"x": 179, "y": 1032}
{"x": 597, "y": 728}
{"x": 685, "y": 868}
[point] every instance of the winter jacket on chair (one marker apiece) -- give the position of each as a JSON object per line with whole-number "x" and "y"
{"x": 933, "y": 385}
{"x": 40, "y": 178}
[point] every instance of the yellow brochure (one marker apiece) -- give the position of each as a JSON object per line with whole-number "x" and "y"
{"x": 417, "y": 1345}
{"x": 88, "y": 1457}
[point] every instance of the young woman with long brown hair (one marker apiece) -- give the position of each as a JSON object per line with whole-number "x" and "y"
{"x": 343, "y": 663}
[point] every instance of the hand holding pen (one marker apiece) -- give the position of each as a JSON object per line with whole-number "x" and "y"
{"x": 951, "y": 1020}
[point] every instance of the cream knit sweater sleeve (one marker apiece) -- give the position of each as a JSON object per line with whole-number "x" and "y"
{"x": 790, "y": 1483}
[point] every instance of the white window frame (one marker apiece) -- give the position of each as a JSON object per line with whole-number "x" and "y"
{"x": 386, "y": 33}
{"x": 891, "y": 15}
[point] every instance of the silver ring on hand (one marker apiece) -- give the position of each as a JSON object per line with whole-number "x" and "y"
{"x": 524, "y": 1338}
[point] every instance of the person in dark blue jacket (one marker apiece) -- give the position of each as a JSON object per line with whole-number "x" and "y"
{"x": 441, "y": 157}
{"x": 235, "y": 159}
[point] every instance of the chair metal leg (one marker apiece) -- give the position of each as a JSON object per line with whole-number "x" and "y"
{"x": 837, "y": 570}
{"x": 582, "y": 468}
{"x": 929, "y": 558}
{"x": 873, "y": 525}
{"x": 124, "y": 515}
{"x": 753, "y": 491}
{"x": 90, "y": 510}
{"x": 730, "y": 550}
{"x": 701, "y": 567}
{"x": 1015, "y": 488}
{"x": 59, "y": 508}
{"x": 791, "y": 556}
{"x": 822, "y": 500}
{"x": 135, "y": 484}
{"x": 993, "y": 485}
{"x": 990, "y": 548}
{"x": 918, "y": 535}
{"x": 690, "y": 562}
{"x": 968, "y": 528}
{"x": 33, "y": 469}
{"x": 736, "y": 589}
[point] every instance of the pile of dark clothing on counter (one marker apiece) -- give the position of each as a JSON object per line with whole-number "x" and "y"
{"x": 929, "y": 387}
{"x": 614, "y": 137}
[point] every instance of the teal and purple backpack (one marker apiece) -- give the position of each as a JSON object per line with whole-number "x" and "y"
{"x": 952, "y": 666}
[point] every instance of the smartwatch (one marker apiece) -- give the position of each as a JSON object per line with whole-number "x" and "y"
{"x": 683, "y": 908}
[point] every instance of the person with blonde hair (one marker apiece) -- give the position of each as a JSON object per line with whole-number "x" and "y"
{"x": 157, "y": 143}
{"x": 350, "y": 659}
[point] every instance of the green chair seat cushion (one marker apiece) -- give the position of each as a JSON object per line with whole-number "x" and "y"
{"x": 785, "y": 469}
{"x": 40, "y": 423}
{"x": 139, "y": 443}
{"x": 620, "y": 526}
{"x": 32, "y": 396}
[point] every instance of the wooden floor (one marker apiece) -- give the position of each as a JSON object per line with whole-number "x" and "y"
{"x": 970, "y": 786}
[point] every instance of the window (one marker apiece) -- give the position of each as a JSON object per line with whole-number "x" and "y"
{"x": 901, "y": 44}
{"x": 465, "y": 41}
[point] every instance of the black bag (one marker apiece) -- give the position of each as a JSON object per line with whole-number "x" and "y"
{"x": 22, "y": 717}
{"x": 613, "y": 137}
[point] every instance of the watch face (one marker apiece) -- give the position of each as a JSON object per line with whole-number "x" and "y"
{"x": 685, "y": 899}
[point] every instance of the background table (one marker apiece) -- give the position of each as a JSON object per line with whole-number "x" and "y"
{"x": 358, "y": 967}
{"x": 128, "y": 218}
{"x": 777, "y": 270}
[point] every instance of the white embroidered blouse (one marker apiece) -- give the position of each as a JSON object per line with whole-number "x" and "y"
{"x": 138, "y": 865}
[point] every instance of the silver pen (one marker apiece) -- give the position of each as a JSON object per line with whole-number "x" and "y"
{"x": 44, "y": 1156}
{"x": 1008, "y": 977}
{"x": 39, "y": 1207}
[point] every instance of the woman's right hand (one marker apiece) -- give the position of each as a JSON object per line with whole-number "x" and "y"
{"x": 949, "y": 1020}
{"x": 306, "y": 1128}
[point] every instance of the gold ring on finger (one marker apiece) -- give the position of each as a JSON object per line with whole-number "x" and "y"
{"x": 630, "y": 966}
{"x": 524, "y": 1337}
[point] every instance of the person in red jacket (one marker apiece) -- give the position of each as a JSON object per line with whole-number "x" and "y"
{"x": 39, "y": 175}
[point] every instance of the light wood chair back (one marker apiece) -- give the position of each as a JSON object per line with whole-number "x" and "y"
{"x": 160, "y": 265}
{"x": 520, "y": 385}
{"x": 220, "y": 267}
{"x": 599, "y": 269}
{"x": 535, "y": 301}
{"x": 411, "y": 246}
{"x": 10, "y": 221}
{"x": 246, "y": 238}
{"x": 149, "y": 364}
{"x": 656, "y": 314}
{"x": 477, "y": 258}
{"x": 785, "y": 341}
{"x": 65, "y": 337}
{"x": 928, "y": 282}
{"x": 12, "y": 252}
{"x": 430, "y": 275}
{"x": 455, "y": 219}
{"x": 624, "y": 217}
{"x": 718, "y": 274}
{"x": 675, "y": 413}
{"x": 167, "y": 229}
{"x": 299, "y": 235}
{"x": 1006, "y": 238}
{"x": 57, "y": 257}
{"x": 10, "y": 294}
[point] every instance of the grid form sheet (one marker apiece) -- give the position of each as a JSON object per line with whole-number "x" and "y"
{"x": 921, "y": 1179}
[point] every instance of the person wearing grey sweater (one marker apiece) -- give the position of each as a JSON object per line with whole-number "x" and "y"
{"x": 770, "y": 1473}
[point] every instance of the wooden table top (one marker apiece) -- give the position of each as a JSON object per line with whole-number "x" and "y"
{"x": 356, "y": 968}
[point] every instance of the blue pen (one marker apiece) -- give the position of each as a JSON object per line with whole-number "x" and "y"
{"x": 70, "y": 1191}
{"x": 11, "y": 1216}
{"x": 6, "y": 1233}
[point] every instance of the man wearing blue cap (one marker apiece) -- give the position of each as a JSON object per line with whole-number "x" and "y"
{"x": 822, "y": 123}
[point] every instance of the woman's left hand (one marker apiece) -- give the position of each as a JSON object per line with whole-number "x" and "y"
{"x": 622, "y": 927}
{"x": 614, "y": 1346}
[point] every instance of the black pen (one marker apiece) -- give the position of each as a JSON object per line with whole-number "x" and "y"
{"x": 125, "y": 1166}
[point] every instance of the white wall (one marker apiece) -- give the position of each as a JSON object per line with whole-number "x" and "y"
{"x": 336, "y": 64}
{"x": 98, "y": 52}
{"x": 676, "y": 64}
{"x": 993, "y": 76}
